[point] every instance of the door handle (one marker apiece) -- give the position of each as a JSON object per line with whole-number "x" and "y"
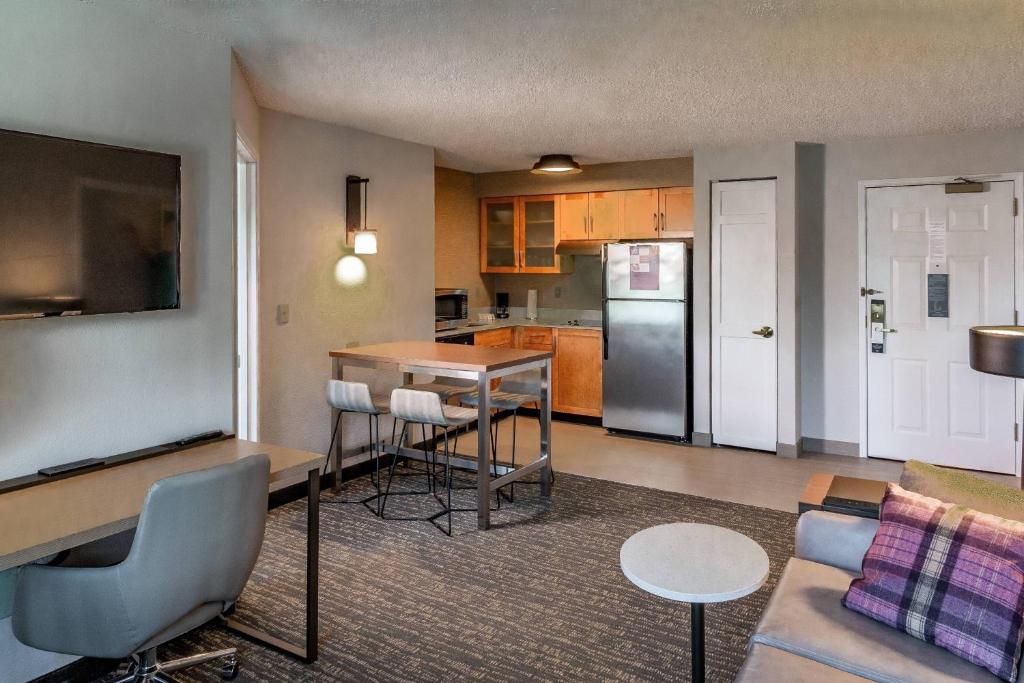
{"x": 765, "y": 332}
{"x": 655, "y": 221}
{"x": 865, "y": 291}
{"x": 663, "y": 221}
{"x": 888, "y": 331}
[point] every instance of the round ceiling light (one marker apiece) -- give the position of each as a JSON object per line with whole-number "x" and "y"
{"x": 556, "y": 164}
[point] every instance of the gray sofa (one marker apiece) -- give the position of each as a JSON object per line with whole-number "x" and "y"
{"x": 806, "y": 634}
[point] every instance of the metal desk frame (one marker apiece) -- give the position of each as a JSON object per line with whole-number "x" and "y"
{"x": 481, "y": 463}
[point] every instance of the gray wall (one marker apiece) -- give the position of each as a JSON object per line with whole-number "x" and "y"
{"x": 303, "y": 165}
{"x": 810, "y": 258}
{"x": 774, "y": 160}
{"x": 76, "y": 388}
{"x": 846, "y": 163}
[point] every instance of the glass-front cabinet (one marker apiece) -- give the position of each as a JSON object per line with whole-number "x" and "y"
{"x": 520, "y": 234}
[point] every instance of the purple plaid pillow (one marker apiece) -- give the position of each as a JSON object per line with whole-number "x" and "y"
{"x": 949, "y": 575}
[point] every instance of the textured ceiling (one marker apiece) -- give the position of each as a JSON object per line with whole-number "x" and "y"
{"x": 494, "y": 84}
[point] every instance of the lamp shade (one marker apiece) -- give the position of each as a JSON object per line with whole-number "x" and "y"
{"x": 365, "y": 241}
{"x": 998, "y": 350}
{"x": 556, "y": 164}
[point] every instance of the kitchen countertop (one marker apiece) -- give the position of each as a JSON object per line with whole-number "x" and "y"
{"x": 469, "y": 328}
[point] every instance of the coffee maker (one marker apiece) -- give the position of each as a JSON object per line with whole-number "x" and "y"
{"x": 501, "y": 305}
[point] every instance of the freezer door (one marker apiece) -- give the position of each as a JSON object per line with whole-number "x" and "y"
{"x": 645, "y": 271}
{"x": 645, "y": 367}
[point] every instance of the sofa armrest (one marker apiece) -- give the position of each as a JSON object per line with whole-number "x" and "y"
{"x": 837, "y": 540}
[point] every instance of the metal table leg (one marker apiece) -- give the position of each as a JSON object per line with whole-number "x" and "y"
{"x": 339, "y": 449}
{"x": 483, "y": 450}
{"x": 310, "y": 651}
{"x": 545, "y": 427}
{"x": 697, "y": 641}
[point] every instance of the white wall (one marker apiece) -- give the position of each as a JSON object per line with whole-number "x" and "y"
{"x": 75, "y": 388}
{"x": 303, "y": 165}
{"x": 244, "y": 108}
{"x": 846, "y": 163}
{"x": 775, "y": 160}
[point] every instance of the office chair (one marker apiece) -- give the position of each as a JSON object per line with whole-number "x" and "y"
{"x": 194, "y": 548}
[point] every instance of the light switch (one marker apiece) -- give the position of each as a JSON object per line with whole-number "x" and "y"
{"x": 282, "y": 314}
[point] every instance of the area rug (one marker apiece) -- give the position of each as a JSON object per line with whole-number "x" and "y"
{"x": 540, "y": 597}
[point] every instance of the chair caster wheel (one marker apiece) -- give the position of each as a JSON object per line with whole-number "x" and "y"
{"x": 229, "y": 670}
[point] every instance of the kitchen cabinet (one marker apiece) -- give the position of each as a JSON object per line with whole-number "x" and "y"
{"x": 502, "y": 338}
{"x": 575, "y": 209}
{"x": 675, "y": 212}
{"x": 640, "y": 214}
{"x": 605, "y": 215}
{"x": 578, "y": 361}
{"x": 499, "y": 237}
{"x": 519, "y": 235}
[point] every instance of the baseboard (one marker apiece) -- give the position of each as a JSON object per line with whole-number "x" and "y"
{"x": 701, "y": 439}
{"x": 789, "y": 450}
{"x": 831, "y": 447}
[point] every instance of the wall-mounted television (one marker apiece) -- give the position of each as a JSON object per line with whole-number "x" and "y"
{"x": 86, "y": 228}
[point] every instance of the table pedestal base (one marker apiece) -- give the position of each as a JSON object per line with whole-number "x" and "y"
{"x": 697, "y": 641}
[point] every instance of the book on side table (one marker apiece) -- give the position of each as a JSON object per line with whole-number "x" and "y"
{"x": 843, "y": 495}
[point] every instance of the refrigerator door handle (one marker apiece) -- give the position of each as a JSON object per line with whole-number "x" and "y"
{"x": 604, "y": 300}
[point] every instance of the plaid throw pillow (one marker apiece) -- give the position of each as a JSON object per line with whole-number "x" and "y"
{"x": 951, "y": 576}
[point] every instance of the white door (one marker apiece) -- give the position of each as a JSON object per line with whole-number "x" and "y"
{"x": 941, "y": 263}
{"x": 744, "y": 376}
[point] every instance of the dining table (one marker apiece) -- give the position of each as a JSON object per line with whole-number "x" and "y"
{"x": 483, "y": 365}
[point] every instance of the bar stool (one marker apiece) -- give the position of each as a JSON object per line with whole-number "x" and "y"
{"x": 515, "y": 392}
{"x": 426, "y": 408}
{"x": 355, "y": 397}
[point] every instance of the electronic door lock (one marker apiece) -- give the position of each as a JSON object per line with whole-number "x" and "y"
{"x": 877, "y": 328}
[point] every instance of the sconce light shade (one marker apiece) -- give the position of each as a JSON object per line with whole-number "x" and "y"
{"x": 365, "y": 241}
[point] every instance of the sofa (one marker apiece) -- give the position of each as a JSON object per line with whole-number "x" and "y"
{"x": 806, "y": 634}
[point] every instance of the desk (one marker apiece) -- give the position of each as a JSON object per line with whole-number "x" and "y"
{"x": 478, "y": 363}
{"x": 41, "y": 520}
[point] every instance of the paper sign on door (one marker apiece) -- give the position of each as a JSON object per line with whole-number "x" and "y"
{"x": 644, "y": 265}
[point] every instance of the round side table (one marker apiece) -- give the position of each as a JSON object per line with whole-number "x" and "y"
{"x": 694, "y": 563}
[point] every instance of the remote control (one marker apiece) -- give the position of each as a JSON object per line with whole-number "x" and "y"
{"x": 71, "y": 467}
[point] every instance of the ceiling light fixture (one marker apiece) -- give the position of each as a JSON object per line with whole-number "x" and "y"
{"x": 556, "y": 164}
{"x": 362, "y": 239}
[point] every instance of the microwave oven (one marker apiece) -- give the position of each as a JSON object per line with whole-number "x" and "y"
{"x": 451, "y": 304}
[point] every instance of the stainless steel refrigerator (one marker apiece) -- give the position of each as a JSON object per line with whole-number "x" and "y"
{"x": 646, "y": 327}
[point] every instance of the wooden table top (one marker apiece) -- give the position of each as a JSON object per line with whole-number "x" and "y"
{"x": 43, "y": 519}
{"x": 442, "y": 356}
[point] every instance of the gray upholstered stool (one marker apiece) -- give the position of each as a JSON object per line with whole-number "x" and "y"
{"x": 426, "y": 408}
{"x": 516, "y": 391}
{"x": 194, "y": 548}
{"x": 355, "y": 397}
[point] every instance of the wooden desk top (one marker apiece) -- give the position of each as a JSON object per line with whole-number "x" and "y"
{"x": 45, "y": 519}
{"x": 442, "y": 356}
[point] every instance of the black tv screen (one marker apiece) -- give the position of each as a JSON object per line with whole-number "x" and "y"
{"x": 86, "y": 228}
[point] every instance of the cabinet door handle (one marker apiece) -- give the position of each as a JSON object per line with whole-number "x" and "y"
{"x": 586, "y": 228}
{"x": 663, "y": 221}
{"x": 655, "y": 221}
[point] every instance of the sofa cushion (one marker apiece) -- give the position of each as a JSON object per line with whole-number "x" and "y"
{"x": 805, "y": 616}
{"x": 957, "y": 486}
{"x": 770, "y": 665}
{"x": 948, "y": 575}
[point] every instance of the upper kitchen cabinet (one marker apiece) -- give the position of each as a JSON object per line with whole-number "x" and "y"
{"x": 640, "y": 214}
{"x": 519, "y": 235}
{"x": 575, "y": 210}
{"x": 591, "y": 215}
{"x": 675, "y": 212}
{"x": 605, "y": 215}
{"x": 499, "y": 235}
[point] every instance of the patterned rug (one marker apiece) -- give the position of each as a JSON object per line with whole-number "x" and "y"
{"x": 540, "y": 597}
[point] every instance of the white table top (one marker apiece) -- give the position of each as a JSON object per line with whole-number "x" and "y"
{"x": 694, "y": 562}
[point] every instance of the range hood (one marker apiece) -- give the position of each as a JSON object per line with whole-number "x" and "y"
{"x": 581, "y": 247}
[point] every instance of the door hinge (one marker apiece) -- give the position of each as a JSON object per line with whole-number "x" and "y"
{"x": 1016, "y": 317}
{"x": 1016, "y": 207}
{"x": 1016, "y": 431}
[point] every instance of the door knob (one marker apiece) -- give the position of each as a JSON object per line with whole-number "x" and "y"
{"x": 765, "y": 332}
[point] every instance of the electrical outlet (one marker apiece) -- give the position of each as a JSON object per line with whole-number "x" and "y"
{"x": 282, "y": 314}
{"x": 558, "y": 292}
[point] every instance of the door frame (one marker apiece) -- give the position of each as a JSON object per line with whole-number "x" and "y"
{"x": 248, "y": 329}
{"x": 711, "y": 300}
{"x": 862, "y": 263}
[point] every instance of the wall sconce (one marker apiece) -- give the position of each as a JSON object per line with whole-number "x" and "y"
{"x": 362, "y": 239}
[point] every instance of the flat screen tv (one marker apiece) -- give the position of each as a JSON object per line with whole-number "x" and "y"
{"x": 86, "y": 228}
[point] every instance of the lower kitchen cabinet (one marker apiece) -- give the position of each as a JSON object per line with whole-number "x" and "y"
{"x": 578, "y": 362}
{"x": 502, "y": 338}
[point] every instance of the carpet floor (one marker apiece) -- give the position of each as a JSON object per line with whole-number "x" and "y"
{"x": 540, "y": 597}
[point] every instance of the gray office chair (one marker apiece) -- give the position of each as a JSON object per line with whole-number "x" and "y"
{"x": 195, "y": 546}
